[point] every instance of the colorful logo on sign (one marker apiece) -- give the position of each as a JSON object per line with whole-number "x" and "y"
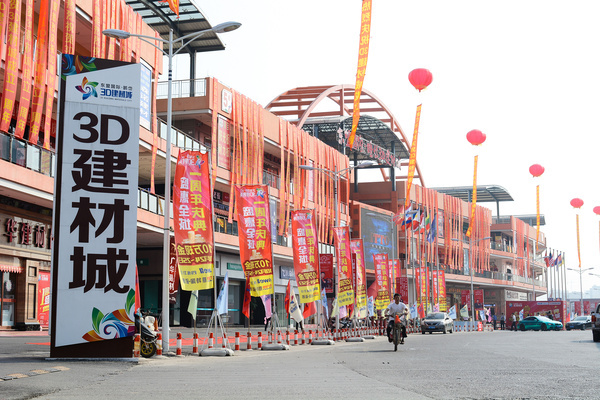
{"x": 87, "y": 88}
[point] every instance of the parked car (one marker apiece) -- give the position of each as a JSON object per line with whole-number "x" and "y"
{"x": 537, "y": 323}
{"x": 583, "y": 322}
{"x": 437, "y": 322}
{"x": 596, "y": 324}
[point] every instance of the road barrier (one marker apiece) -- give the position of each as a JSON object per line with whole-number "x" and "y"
{"x": 179, "y": 344}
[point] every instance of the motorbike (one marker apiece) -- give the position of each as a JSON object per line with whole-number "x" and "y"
{"x": 148, "y": 337}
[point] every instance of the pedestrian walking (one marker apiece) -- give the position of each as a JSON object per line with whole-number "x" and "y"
{"x": 494, "y": 320}
{"x": 514, "y": 322}
{"x": 502, "y": 319}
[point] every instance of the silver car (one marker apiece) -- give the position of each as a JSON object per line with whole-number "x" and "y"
{"x": 437, "y": 322}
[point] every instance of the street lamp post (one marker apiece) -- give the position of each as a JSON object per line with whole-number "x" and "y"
{"x": 120, "y": 34}
{"x": 471, "y": 272}
{"x": 335, "y": 176}
{"x": 581, "y": 271}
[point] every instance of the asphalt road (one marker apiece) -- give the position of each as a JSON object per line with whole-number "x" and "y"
{"x": 486, "y": 365}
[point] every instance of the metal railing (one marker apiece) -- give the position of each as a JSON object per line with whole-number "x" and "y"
{"x": 27, "y": 155}
{"x": 182, "y": 88}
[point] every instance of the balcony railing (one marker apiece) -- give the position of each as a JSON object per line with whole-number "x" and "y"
{"x": 182, "y": 88}
{"x": 27, "y": 155}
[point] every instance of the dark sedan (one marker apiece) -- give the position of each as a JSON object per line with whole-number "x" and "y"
{"x": 437, "y": 322}
{"x": 583, "y": 322}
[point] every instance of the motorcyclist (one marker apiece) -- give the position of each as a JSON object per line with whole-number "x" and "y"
{"x": 396, "y": 307}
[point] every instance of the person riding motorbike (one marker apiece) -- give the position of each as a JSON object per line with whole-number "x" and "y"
{"x": 396, "y": 307}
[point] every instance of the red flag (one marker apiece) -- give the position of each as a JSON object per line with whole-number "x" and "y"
{"x": 286, "y": 301}
{"x": 247, "y": 298}
{"x": 138, "y": 301}
{"x": 173, "y": 5}
{"x": 309, "y": 309}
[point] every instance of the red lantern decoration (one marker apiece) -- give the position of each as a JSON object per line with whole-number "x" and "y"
{"x": 420, "y": 78}
{"x": 576, "y": 203}
{"x": 597, "y": 210}
{"x": 536, "y": 170}
{"x": 476, "y": 137}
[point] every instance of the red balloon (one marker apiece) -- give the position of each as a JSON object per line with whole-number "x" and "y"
{"x": 577, "y": 203}
{"x": 536, "y": 170}
{"x": 420, "y": 78}
{"x": 476, "y": 137}
{"x": 597, "y": 210}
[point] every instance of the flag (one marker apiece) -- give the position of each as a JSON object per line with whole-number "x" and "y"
{"x": 193, "y": 306}
{"x": 413, "y": 311}
{"x": 173, "y": 5}
{"x": 138, "y": 301}
{"x": 266, "y": 299}
{"x": 421, "y": 310}
{"x": 433, "y": 230}
{"x": 436, "y": 307}
{"x": 482, "y": 315}
{"x": 464, "y": 312}
{"x": 309, "y": 309}
{"x": 286, "y": 301}
{"x": 547, "y": 259}
{"x": 408, "y": 215}
{"x": 399, "y": 216}
{"x": 223, "y": 299}
{"x": 295, "y": 308}
{"x": 335, "y": 310}
{"x": 425, "y": 223}
{"x": 416, "y": 221}
{"x": 452, "y": 312}
{"x": 247, "y": 299}
{"x": 370, "y": 306}
{"x": 521, "y": 315}
{"x": 343, "y": 311}
{"x": 324, "y": 303}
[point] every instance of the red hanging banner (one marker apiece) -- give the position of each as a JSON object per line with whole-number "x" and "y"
{"x": 52, "y": 59}
{"x": 192, "y": 217}
{"x": 254, "y": 233}
{"x": 382, "y": 279}
{"x": 360, "y": 277}
{"x": 69, "y": 27}
{"x": 173, "y": 273}
{"x": 27, "y": 67}
{"x": 344, "y": 263}
{"x": 11, "y": 68}
{"x": 97, "y": 36}
{"x": 40, "y": 74}
{"x": 326, "y": 267}
{"x": 306, "y": 255}
{"x": 473, "y": 199}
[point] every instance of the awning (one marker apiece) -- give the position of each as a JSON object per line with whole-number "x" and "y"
{"x": 11, "y": 268}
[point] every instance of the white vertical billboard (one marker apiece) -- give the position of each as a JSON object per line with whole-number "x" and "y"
{"x": 97, "y": 181}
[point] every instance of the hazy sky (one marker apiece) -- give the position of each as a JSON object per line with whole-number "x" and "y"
{"x": 524, "y": 73}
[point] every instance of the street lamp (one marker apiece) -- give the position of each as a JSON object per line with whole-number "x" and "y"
{"x": 335, "y": 176}
{"x": 581, "y": 271}
{"x": 471, "y": 271}
{"x": 120, "y": 34}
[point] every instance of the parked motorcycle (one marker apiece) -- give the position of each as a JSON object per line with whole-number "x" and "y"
{"x": 148, "y": 337}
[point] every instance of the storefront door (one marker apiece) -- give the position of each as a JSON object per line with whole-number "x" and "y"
{"x": 7, "y": 298}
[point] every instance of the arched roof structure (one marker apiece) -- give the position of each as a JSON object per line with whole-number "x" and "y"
{"x": 299, "y": 106}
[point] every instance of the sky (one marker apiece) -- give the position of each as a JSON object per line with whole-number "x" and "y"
{"x": 524, "y": 73}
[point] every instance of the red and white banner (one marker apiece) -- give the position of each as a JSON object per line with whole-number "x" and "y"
{"x": 192, "y": 217}
{"x": 326, "y": 267}
{"x": 382, "y": 279}
{"x": 344, "y": 261}
{"x": 358, "y": 252}
{"x": 254, "y": 229}
{"x": 306, "y": 255}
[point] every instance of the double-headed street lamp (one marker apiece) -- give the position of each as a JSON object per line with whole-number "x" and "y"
{"x": 184, "y": 41}
{"x": 581, "y": 271}
{"x": 335, "y": 176}
{"x": 471, "y": 271}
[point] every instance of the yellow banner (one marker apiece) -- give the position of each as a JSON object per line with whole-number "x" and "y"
{"x": 412, "y": 160}
{"x": 361, "y": 69}
{"x": 473, "y": 199}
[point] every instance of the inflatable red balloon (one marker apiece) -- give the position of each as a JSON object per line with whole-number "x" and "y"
{"x": 536, "y": 170}
{"x": 420, "y": 78}
{"x": 577, "y": 203}
{"x": 476, "y": 137}
{"x": 597, "y": 210}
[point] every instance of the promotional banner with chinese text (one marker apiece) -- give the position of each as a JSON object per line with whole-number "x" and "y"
{"x": 360, "y": 277}
{"x": 439, "y": 288}
{"x": 306, "y": 255}
{"x": 382, "y": 279}
{"x": 192, "y": 216}
{"x": 423, "y": 285}
{"x": 326, "y": 266}
{"x": 254, "y": 228}
{"x": 344, "y": 260}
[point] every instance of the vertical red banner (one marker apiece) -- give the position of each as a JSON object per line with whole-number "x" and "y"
{"x": 306, "y": 255}
{"x": 394, "y": 273}
{"x": 97, "y": 36}
{"x": 44, "y": 298}
{"x": 173, "y": 273}
{"x": 27, "y": 68}
{"x": 326, "y": 266}
{"x": 40, "y": 74}
{"x": 69, "y": 27}
{"x": 382, "y": 279}
{"x": 442, "y": 290}
{"x": 403, "y": 285}
{"x": 11, "y": 69}
{"x": 155, "y": 120}
{"x": 344, "y": 263}
{"x": 360, "y": 277}
{"x": 254, "y": 234}
{"x": 192, "y": 216}
{"x": 51, "y": 75}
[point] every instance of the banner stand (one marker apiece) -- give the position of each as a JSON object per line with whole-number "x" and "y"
{"x": 216, "y": 320}
{"x": 275, "y": 325}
